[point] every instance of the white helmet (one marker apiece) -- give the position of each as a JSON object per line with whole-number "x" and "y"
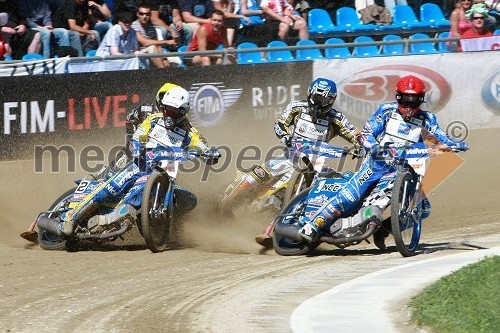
{"x": 173, "y": 102}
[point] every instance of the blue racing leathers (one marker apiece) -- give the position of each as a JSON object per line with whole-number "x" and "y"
{"x": 386, "y": 127}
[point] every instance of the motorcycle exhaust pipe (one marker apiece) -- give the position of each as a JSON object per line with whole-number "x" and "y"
{"x": 372, "y": 227}
{"x": 290, "y": 231}
{"x": 49, "y": 225}
{"x": 112, "y": 234}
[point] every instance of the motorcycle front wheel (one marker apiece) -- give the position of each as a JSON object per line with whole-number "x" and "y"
{"x": 406, "y": 221}
{"x": 157, "y": 212}
{"x": 288, "y": 247}
{"x": 48, "y": 240}
{"x": 298, "y": 182}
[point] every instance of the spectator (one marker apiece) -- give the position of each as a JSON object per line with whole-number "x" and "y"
{"x": 59, "y": 10}
{"x": 477, "y": 14}
{"x": 196, "y": 12}
{"x": 99, "y": 17}
{"x": 79, "y": 20}
{"x": 166, "y": 16}
{"x": 491, "y": 22}
{"x": 121, "y": 38}
{"x": 147, "y": 36}
{"x": 231, "y": 18}
{"x": 21, "y": 39}
{"x": 390, "y": 4}
{"x": 38, "y": 17}
{"x": 4, "y": 46}
{"x": 280, "y": 14}
{"x": 208, "y": 37}
{"x": 255, "y": 30}
{"x": 459, "y": 21}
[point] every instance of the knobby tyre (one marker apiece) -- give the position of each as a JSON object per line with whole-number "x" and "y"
{"x": 50, "y": 241}
{"x": 157, "y": 212}
{"x": 285, "y": 246}
{"x": 406, "y": 211}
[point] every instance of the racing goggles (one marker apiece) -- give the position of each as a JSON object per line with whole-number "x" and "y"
{"x": 322, "y": 101}
{"x": 409, "y": 101}
{"x": 170, "y": 111}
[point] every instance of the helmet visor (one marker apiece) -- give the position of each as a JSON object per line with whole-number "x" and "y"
{"x": 170, "y": 111}
{"x": 322, "y": 101}
{"x": 410, "y": 101}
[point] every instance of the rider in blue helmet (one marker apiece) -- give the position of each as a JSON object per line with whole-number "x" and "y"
{"x": 320, "y": 96}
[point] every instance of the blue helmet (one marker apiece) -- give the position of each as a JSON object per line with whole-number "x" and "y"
{"x": 320, "y": 96}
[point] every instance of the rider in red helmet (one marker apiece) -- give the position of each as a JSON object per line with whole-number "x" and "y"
{"x": 395, "y": 124}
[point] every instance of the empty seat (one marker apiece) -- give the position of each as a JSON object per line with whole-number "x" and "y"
{"x": 279, "y": 56}
{"x": 423, "y": 47}
{"x": 442, "y": 46}
{"x": 431, "y": 14}
{"x": 404, "y": 16}
{"x": 393, "y": 49}
{"x": 32, "y": 56}
{"x": 365, "y": 50}
{"x": 348, "y": 21}
{"x": 320, "y": 22}
{"x": 308, "y": 54}
{"x": 249, "y": 57}
{"x": 336, "y": 52}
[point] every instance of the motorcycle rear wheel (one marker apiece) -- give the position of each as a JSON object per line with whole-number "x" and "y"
{"x": 50, "y": 241}
{"x": 156, "y": 216}
{"x": 285, "y": 246}
{"x": 406, "y": 221}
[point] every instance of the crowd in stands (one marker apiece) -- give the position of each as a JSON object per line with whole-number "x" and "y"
{"x": 110, "y": 27}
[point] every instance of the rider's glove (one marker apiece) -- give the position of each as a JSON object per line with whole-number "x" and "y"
{"x": 211, "y": 156}
{"x": 286, "y": 140}
{"x": 462, "y": 146}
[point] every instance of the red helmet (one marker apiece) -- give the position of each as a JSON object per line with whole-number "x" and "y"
{"x": 410, "y": 92}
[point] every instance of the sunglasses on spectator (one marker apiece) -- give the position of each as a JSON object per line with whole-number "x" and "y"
{"x": 144, "y": 14}
{"x": 478, "y": 18}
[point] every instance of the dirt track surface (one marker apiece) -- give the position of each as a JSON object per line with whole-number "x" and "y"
{"x": 219, "y": 280}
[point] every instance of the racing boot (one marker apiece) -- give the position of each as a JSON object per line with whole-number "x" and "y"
{"x": 426, "y": 208}
{"x": 381, "y": 234}
{"x": 321, "y": 221}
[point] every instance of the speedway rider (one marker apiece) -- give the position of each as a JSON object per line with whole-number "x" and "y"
{"x": 169, "y": 127}
{"x": 313, "y": 119}
{"x": 395, "y": 124}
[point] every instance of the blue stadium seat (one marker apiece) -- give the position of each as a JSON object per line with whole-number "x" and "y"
{"x": 309, "y": 54}
{"x": 496, "y": 32}
{"x": 320, "y": 22}
{"x": 7, "y": 57}
{"x": 431, "y": 14}
{"x": 348, "y": 21}
{"x": 250, "y": 57}
{"x": 32, "y": 56}
{"x": 392, "y": 49}
{"x": 404, "y": 16}
{"x": 423, "y": 47}
{"x": 441, "y": 46}
{"x": 91, "y": 53}
{"x": 336, "y": 52}
{"x": 182, "y": 48}
{"x": 279, "y": 56}
{"x": 365, "y": 51}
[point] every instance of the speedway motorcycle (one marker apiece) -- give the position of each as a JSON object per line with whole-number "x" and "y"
{"x": 308, "y": 160}
{"x": 149, "y": 203}
{"x": 405, "y": 213}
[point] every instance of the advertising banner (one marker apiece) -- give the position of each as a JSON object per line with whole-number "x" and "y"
{"x": 53, "y": 109}
{"x": 35, "y": 67}
{"x": 461, "y": 87}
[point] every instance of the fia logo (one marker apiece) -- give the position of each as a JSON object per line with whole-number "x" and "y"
{"x": 210, "y": 101}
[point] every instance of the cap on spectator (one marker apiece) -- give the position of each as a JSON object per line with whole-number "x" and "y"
{"x": 125, "y": 17}
{"x": 4, "y": 17}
